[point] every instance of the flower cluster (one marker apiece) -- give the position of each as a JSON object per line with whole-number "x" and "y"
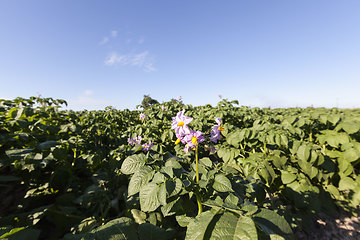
{"x": 147, "y": 146}
{"x": 137, "y": 141}
{"x": 192, "y": 138}
{"x": 189, "y": 137}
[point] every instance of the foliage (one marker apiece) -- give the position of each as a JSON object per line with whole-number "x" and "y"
{"x": 148, "y": 102}
{"x": 73, "y": 175}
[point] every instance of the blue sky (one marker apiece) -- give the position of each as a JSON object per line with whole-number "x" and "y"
{"x": 262, "y": 53}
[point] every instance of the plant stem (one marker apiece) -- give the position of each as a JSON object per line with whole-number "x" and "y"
{"x": 198, "y": 202}
{"x": 197, "y": 164}
{"x": 197, "y": 181}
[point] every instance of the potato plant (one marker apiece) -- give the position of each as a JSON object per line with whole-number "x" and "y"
{"x": 230, "y": 173}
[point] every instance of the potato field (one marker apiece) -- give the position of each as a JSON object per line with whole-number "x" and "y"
{"x": 174, "y": 171}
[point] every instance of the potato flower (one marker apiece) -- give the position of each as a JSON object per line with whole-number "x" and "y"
{"x": 138, "y": 140}
{"x": 210, "y": 148}
{"x": 180, "y": 138}
{"x": 147, "y": 146}
{"x": 187, "y": 148}
{"x": 142, "y": 116}
{"x": 194, "y": 138}
{"x": 215, "y": 133}
{"x": 180, "y": 122}
{"x": 131, "y": 141}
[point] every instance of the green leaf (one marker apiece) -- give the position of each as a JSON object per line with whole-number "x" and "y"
{"x": 222, "y": 183}
{"x": 267, "y": 173}
{"x": 231, "y": 200}
{"x": 149, "y": 200}
{"x": 345, "y": 168}
{"x": 287, "y": 177}
{"x": 346, "y": 183}
{"x": 351, "y": 155}
{"x": 48, "y": 145}
{"x": 272, "y": 223}
{"x": 350, "y": 127}
{"x": 142, "y": 176}
{"x": 229, "y": 226}
{"x": 173, "y": 187}
{"x": 333, "y": 190}
{"x": 303, "y": 152}
{"x": 172, "y": 162}
{"x": 120, "y": 229}
{"x": 284, "y": 140}
{"x": 162, "y": 194}
{"x": 197, "y": 227}
{"x": 206, "y": 161}
{"x": 148, "y": 231}
{"x": 139, "y": 216}
{"x": 276, "y": 237}
{"x": 183, "y": 220}
{"x": 172, "y": 207}
{"x": 245, "y": 229}
{"x": 167, "y": 171}
{"x": 333, "y": 118}
{"x": 279, "y": 162}
{"x": 132, "y": 163}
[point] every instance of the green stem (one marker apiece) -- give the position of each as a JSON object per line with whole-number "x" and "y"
{"x": 197, "y": 164}
{"x": 198, "y": 202}
{"x": 197, "y": 181}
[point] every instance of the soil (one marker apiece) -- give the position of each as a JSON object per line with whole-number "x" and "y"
{"x": 344, "y": 227}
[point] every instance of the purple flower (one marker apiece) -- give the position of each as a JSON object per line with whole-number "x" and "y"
{"x": 179, "y": 98}
{"x": 219, "y": 95}
{"x": 147, "y": 146}
{"x": 215, "y": 133}
{"x": 210, "y": 148}
{"x": 187, "y": 148}
{"x": 142, "y": 116}
{"x": 194, "y": 138}
{"x": 164, "y": 107}
{"x": 180, "y": 138}
{"x": 179, "y": 123}
{"x": 138, "y": 140}
{"x": 131, "y": 141}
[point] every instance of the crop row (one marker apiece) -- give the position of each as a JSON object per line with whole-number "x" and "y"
{"x": 124, "y": 174}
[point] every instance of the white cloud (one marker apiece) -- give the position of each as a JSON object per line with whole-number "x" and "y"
{"x": 148, "y": 67}
{"x": 142, "y": 60}
{"x": 139, "y": 59}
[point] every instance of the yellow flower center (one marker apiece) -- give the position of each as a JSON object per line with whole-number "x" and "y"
{"x": 221, "y": 128}
{"x": 194, "y": 140}
{"x": 177, "y": 141}
{"x": 180, "y": 124}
